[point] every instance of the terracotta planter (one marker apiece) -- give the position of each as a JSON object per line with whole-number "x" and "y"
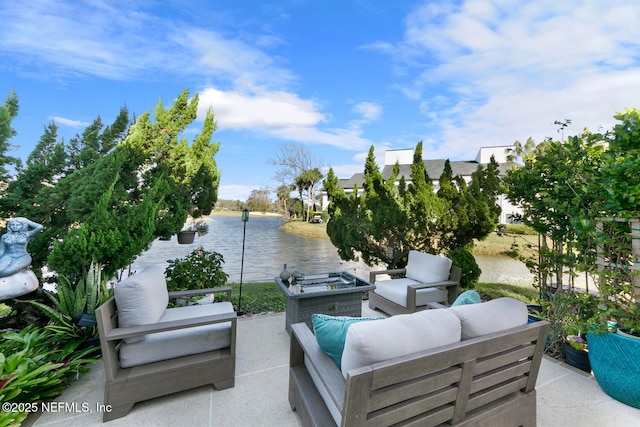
{"x": 186, "y": 237}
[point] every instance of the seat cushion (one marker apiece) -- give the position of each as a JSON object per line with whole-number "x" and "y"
{"x": 427, "y": 268}
{"x": 371, "y": 342}
{"x": 395, "y": 290}
{"x": 496, "y": 315}
{"x": 331, "y": 332}
{"x": 180, "y": 342}
{"x": 141, "y": 298}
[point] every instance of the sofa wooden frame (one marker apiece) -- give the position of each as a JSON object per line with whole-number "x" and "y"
{"x": 126, "y": 386}
{"x": 488, "y": 380}
{"x": 376, "y": 301}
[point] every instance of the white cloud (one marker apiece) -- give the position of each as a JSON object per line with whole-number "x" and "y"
{"x": 280, "y": 114}
{"x": 491, "y": 72}
{"x": 121, "y": 41}
{"x": 70, "y": 122}
{"x": 248, "y": 88}
{"x": 368, "y": 110}
{"x": 235, "y": 192}
{"x": 265, "y": 110}
{"x": 347, "y": 170}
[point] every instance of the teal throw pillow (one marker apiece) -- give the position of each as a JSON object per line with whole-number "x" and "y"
{"x": 331, "y": 332}
{"x": 467, "y": 297}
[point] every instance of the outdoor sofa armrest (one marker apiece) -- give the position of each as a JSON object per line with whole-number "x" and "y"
{"x": 304, "y": 345}
{"x": 450, "y": 285}
{"x": 373, "y": 274}
{"x": 206, "y": 291}
{"x": 445, "y": 283}
{"x": 133, "y": 331}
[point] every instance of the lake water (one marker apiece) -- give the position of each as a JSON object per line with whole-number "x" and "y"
{"x": 268, "y": 248}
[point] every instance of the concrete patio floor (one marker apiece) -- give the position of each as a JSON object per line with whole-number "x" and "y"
{"x": 566, "y": 396}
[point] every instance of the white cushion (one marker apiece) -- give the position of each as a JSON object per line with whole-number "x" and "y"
{"x": 180, "y": 342}
{"x": 427, "y": 268}
{"x": 396, "y": 290}
{"x": 371, "y": 342}
{"x": 492, "y": 316}
{"x": 141, "y": 298}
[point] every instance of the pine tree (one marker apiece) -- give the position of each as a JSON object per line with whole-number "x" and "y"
{"x": 8, "y": 111}
{"x": 385, "y": 221}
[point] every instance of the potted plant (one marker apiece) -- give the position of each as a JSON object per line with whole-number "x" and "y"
{"x": 200, "y": 269}
{"x": 614, "y": 357}
{"x": 580, "y": 309}
{"x": 191, "y": 227}
{"x": 576, "y": 353}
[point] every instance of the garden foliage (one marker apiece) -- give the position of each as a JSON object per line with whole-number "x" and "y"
{"x": 392, "y": 216}
{"x": 36, "y": 365}
{"x": 112, "y": 190}
{"x": 565, "y": 187}
{"x": 200, "y": 269}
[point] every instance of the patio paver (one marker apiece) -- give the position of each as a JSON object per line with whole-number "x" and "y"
{"x": 566, "y": 396}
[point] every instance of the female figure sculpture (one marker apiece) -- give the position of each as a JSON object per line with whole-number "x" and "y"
{"x": 13, "y": 245}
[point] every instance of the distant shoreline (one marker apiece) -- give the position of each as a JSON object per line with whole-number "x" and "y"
{"x": 239, "y": 214}
{"x": 493, "y": 245}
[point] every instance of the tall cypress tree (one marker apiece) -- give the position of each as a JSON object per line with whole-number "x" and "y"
{"x": 8, "y": 111}
{"x": 385, "y": 221}
{"x": 144, "y": 188}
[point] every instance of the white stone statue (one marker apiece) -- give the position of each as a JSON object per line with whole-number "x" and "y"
{"x": 15, "y": 276}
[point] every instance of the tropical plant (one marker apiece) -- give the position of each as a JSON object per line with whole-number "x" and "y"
{"x": 36, "y": 365}
{"x": 73, "y": 310}
{"x": 200, "y": 269}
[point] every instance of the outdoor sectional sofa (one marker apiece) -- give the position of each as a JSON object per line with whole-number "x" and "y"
{"x": 150, "y": 350}
{"x": 468, "y": 365}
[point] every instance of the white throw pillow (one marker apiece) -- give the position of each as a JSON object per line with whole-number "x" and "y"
{"x": 427, "y": 268}
{"x": 496, "y": 315}
{"x": 372, "y": 342}
{"x": 141, "y": 298}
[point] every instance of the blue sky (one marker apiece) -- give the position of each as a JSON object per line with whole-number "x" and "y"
{"x": 334, "y": 76}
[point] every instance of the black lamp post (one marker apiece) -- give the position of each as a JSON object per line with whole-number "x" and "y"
{"x": 245, "y": 218}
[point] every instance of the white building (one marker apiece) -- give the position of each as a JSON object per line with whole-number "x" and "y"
{"x": 434, "y": 169}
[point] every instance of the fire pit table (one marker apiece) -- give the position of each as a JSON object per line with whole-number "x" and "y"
{"x": 337, "y": 294}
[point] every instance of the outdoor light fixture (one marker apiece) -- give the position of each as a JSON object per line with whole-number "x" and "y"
{"x": 245, "y": 218}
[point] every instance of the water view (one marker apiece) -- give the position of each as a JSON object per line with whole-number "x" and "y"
{"x": 268, "y": 248}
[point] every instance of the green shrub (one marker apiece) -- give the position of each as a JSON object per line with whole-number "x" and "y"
{"x": 470, "y": 271}
{"x": 198, "y": 270}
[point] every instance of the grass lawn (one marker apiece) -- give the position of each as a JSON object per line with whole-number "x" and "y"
{"x": 268, "y": 297}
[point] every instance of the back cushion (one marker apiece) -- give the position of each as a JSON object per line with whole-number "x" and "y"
{"x": 331, "y": 332}
{"x": 141, "y": 298}
{"x": 427, "y": 268}
{"x": 371, "y": 342}
{"x": 493, "y": 316}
